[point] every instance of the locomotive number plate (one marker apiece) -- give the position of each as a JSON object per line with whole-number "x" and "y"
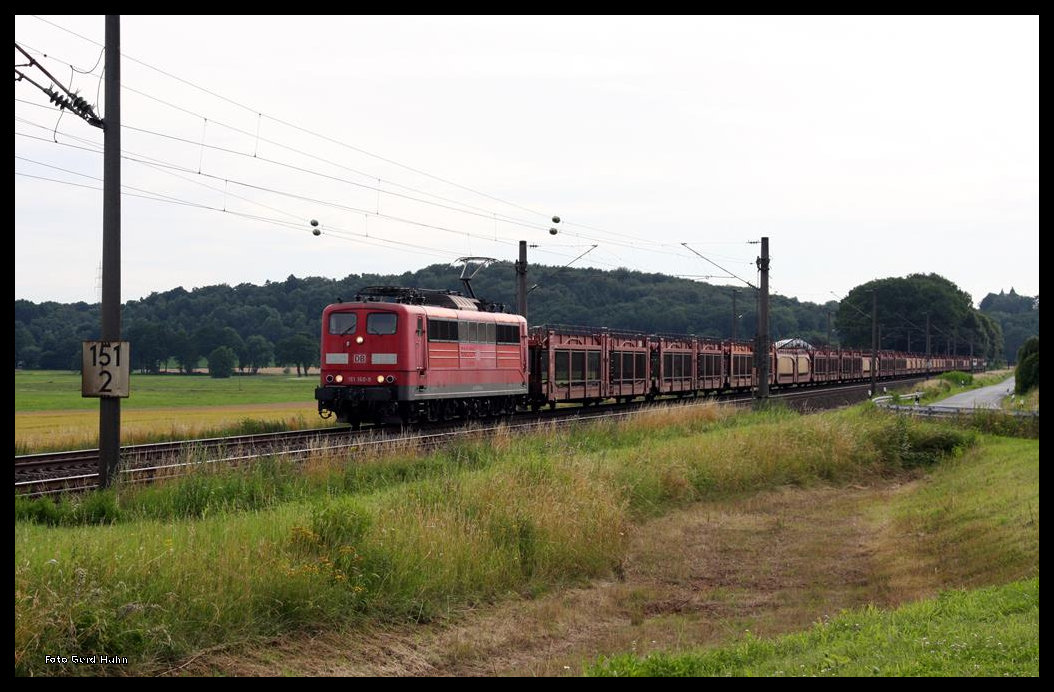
{"x": 360, "y": 358}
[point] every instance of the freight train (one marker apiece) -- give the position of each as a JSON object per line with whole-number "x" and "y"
{"x": 404, "y": 355}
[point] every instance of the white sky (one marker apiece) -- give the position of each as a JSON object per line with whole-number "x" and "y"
{"x": 864, "y": 147}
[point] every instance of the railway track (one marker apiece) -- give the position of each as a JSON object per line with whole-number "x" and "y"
{"x": 60, "y": 472}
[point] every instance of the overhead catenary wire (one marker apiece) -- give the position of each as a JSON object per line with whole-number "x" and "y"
{"x": 357, "y": 210}
{"x": 256, "y": 137}
{"x": 344, "y": 234}
{"x": 259, "y": 114}
{"x": 719, "y": 266}
{"x": 295, "y": 225}
{"x": 341, "y": 233}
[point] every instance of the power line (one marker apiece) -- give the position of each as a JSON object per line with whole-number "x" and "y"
{"x": 344, "y": 180}
{"x": 357, "y": 149}
{"x": 280, "y": 121}
{"x": 719, "y": 266}
{"x": 487, "y": 213}
{"x": 483, "y": 213}
{"x": 144, "y": 159}
{"x": 341, "y": 233}
{"x": 131, "y": 156}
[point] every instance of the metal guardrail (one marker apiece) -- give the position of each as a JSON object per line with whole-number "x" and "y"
{"x": 938, "y": 411}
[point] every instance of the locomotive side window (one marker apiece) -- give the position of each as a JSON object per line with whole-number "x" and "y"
{"x": 442, "y": 330}
{"x": 508, "y": 333}
{"x": 472, "y": 332}
{"x": 341, "y": 323}
{"x": 381, "y": 323}
{"x": 490, "y": 327}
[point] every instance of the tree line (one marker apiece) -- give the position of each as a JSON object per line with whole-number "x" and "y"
{"x": 904, "y": 308}
{"x": 251, "y": 326}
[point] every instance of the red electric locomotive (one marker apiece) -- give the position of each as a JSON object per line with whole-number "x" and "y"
{"x": 401, "y": 354}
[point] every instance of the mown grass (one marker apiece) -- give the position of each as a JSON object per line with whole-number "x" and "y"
{"x": 225, "y": 557}
{"x": 973, "y": 521}
{"x": 986, "y": 632}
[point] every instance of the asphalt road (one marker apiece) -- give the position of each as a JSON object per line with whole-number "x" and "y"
{"x": 986, "y": 397}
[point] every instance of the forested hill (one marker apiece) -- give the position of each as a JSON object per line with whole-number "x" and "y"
{"x": 285, "y": 315}
{"x": 1018, "y": 315}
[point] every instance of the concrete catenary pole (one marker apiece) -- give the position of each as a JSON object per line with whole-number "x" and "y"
{"x": 521, "y": 280}
{"x": 110, "y": 407}
{"x": 927, "y": 335}
{"x": 874, "y": 342}
{"x": 734, "y": 293}
{"x": 762, "y": 346}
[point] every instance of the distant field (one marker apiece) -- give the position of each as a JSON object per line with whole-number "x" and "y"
{"x": 51, "y": 415}
{"x": 50, "y": 390}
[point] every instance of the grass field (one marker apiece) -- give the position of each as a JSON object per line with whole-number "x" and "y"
{"x": 164, "y": 573}
{"x": 48, "y": 390}
{"x": 51, "y": 415}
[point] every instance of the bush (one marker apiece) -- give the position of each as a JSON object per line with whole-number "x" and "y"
{"x": 221, "y": 362}
{"x": 957, "y": 378}
{"x": 1027, "y": 372}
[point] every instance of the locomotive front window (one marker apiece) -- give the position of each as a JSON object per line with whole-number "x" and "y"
{"x": 381, "y": 323}
{"x": 341, "y": 323}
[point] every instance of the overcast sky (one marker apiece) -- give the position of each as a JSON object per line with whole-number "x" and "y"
{"x": 863, "y": 147}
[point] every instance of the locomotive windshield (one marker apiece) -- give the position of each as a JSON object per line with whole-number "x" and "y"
{"x": 341, "y": 323}
{"x": 381, "y": 323}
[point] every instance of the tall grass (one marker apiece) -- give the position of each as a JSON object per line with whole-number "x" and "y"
{"x": 228, "y": 556}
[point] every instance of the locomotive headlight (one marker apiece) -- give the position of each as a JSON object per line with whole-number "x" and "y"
{"x": 380, "y": 379}
{"x": 359, "y": 339}
{"x": 339, "y": 378}
{"x": 389, "y": 379}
